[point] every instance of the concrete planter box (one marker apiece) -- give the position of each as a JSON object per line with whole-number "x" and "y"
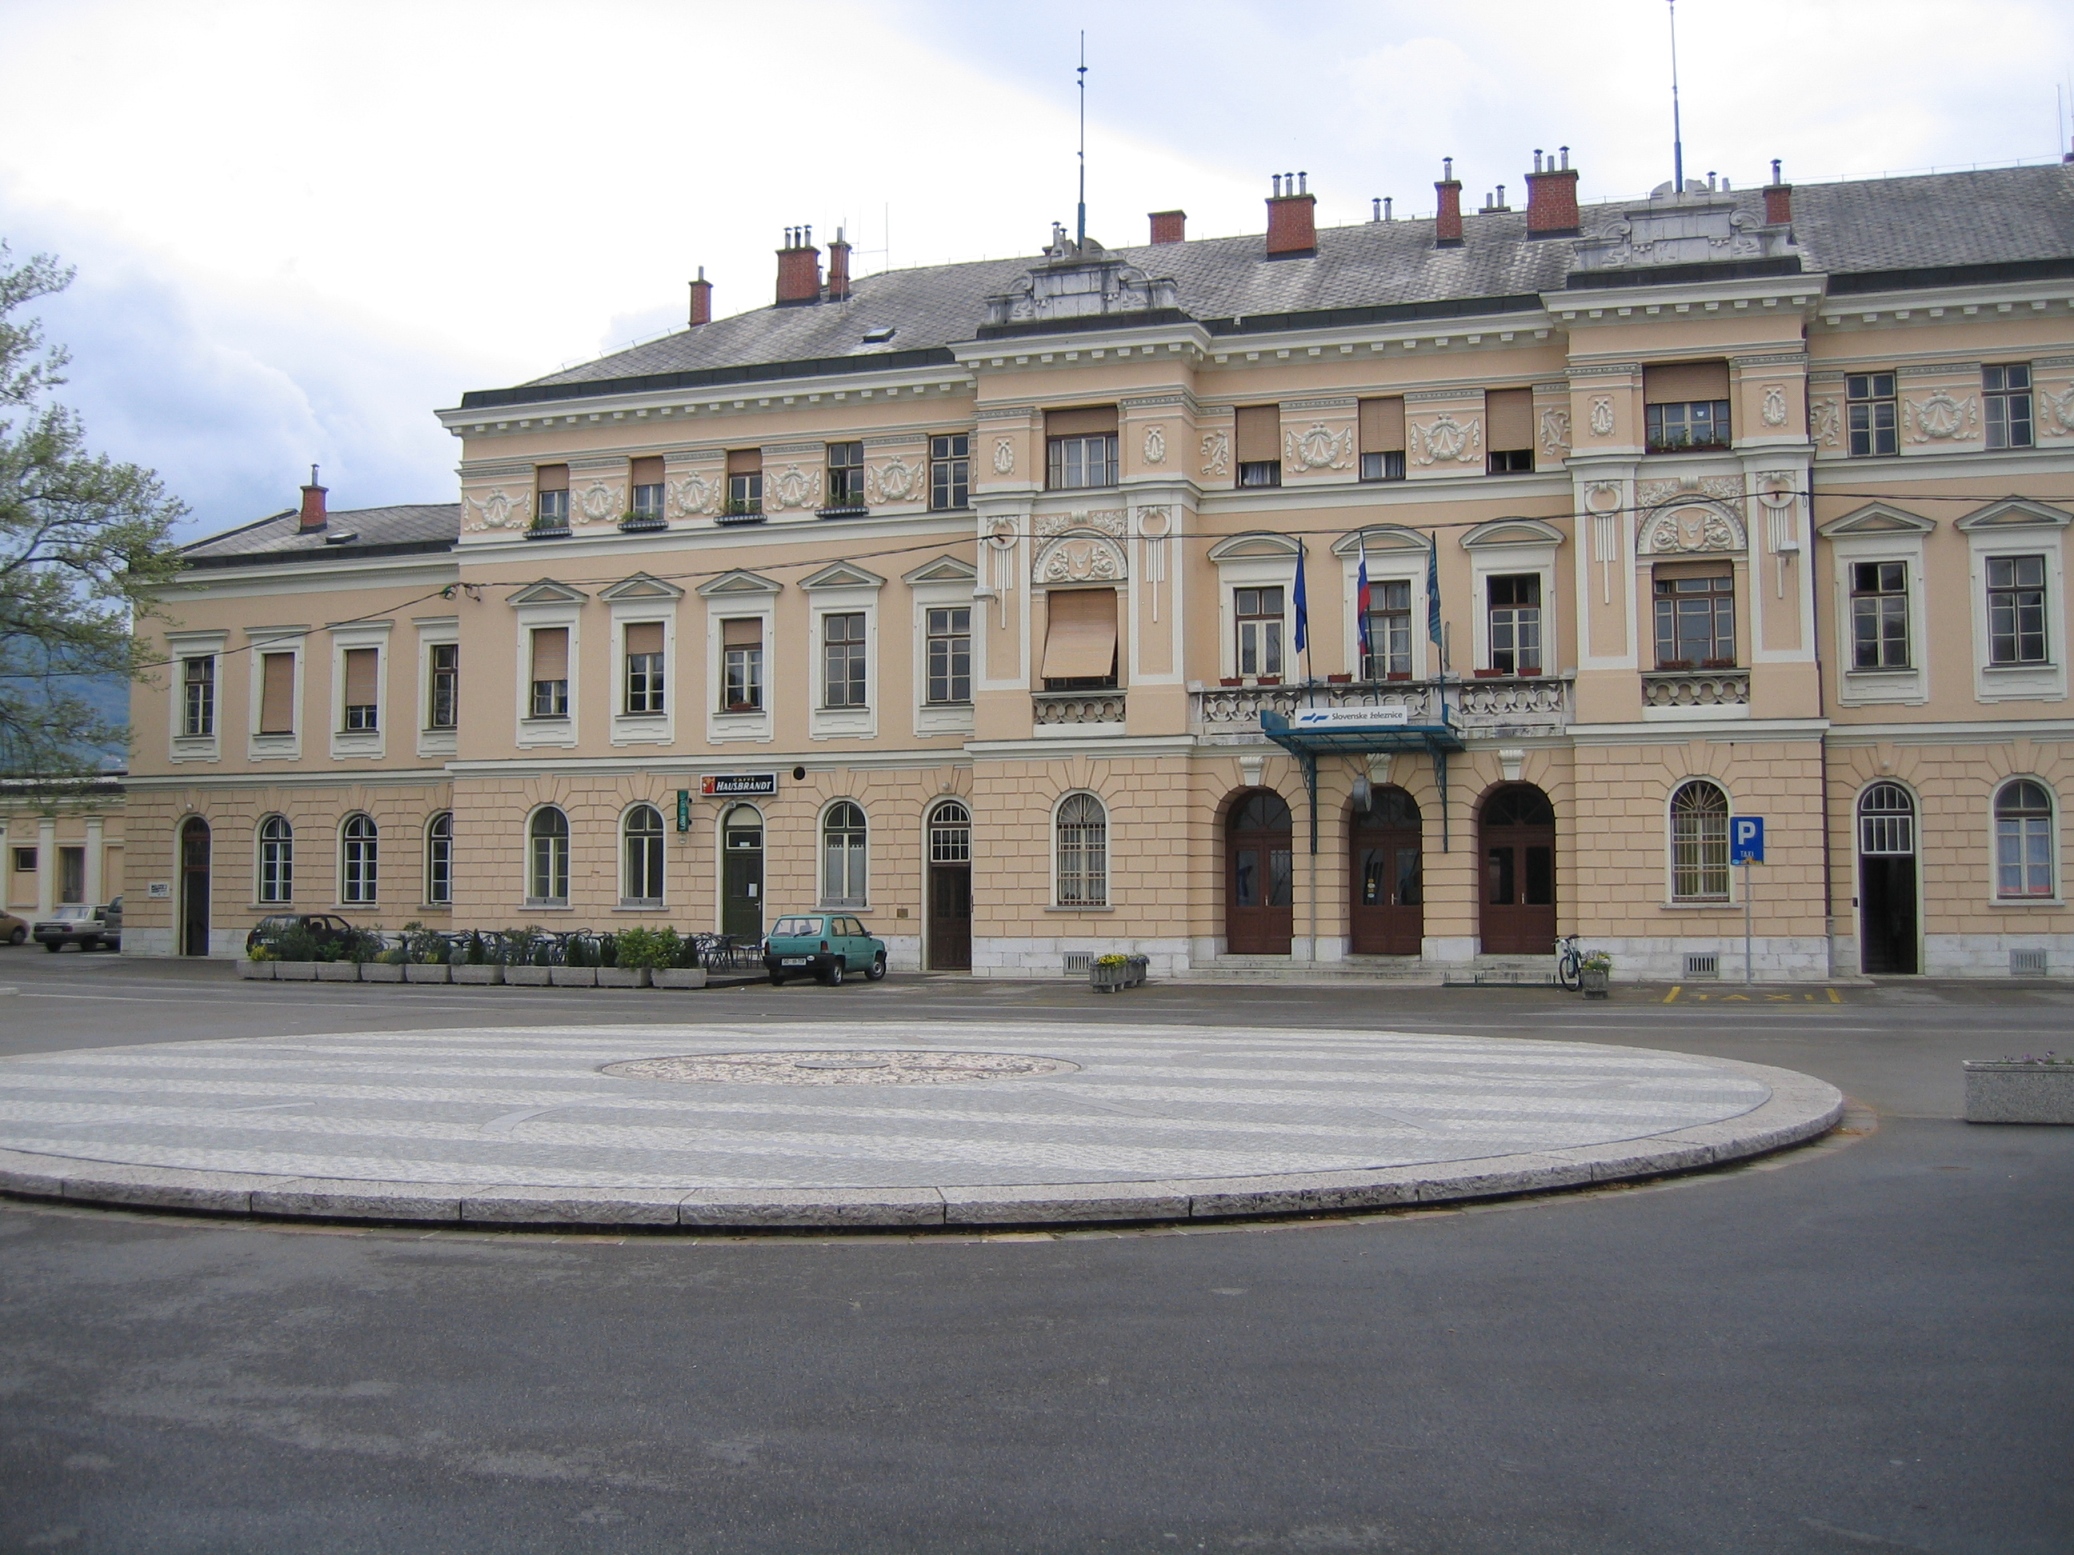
{"x": 527, "y": 976}
{"x": 622, "y": 977}
{"x": 489, "y": 973}
{"x": 337, "y": 971}
{"x": 258, "y": 971}
{"x": 1592, "y": 982}
{"x": 432, "y": 973}
{"x": 1108, "y": 979}
{"x": 677, "y": 977}
{"x": 381, "y": 972}
{"x": 2000, "y": 1091}
{"x": 573, "y": 976}
{"x": 295, "y": 971}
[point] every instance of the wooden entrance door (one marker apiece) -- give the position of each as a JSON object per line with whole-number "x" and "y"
{"x": 1387, "y": 916}
{"x": 1887, "y": 880}
{"x": 950, "y": 888}
{"x": 1516, "y": 836}
{"x": 741, "y": 874}
{"x": 1258, "y": 881}
{"x": 194, "y": 887}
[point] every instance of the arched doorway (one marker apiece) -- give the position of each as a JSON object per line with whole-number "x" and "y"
{"x": 741, "y": 873}
{"x": 1887, "y": 879}
{"x": 1258, "y": 889}
{"x": 950, "y": 888}
{"x": 1516, "y": 836}
{"x": 1387, "y": 916}
{"x": 194, "y": 887}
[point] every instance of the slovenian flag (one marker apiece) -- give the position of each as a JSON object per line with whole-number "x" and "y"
{"x": 1361, "y": 606}
{"x": 1303, "y": 604}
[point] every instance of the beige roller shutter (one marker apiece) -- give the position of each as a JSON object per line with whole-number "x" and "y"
{"x": 277, "y": 693}
{"x": 1509, "y": 417}
{"x": 1382, "y": 425}
{"x": 1259, "y": 433}
{"x": 648, "y": 472}
{"x": 1080, "y": 634}
{"x": 551, "y": 477}
{"x": 745, "y": 461}
{"x": 1080, "y": 423}
{"x": 1682, "y": 383}
{"x": 645, "y": 637}
{"x": 551, "y": 653}
{"x": 361, "y": 666}
{"x": 741, "y": 634}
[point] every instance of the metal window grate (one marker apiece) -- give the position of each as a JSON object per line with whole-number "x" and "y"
{"x": 1708, "y": 965}
{"x": 1078, "y": 962}
{"x": 2027, "y": 963}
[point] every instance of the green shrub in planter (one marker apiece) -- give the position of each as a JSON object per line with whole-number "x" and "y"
{"x": 608, "y": 950}
{"x": 423, "y": 946}
{"x": 650, "y": 948}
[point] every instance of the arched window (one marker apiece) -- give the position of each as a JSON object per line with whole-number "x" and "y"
{"x": 1699, "y": 843}
{"x": 1082, "y": 828}
{"x": 276, "y": 860}
{"x": 2023, "y": 840}
{"x": 439, "y": 860}
{"x": 1887, "y": 822}
{"x": 547, "y": 858}
{"x": 842, "y": 856}
{"x": 950, "y": 834}
{"x": 357, "y": 870}
{"x": 641, "y": 855}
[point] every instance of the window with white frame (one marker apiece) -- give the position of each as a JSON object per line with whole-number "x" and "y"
{"x": 950, "y": 472}
{"x": 362, "y": 689}
{"x": 547, "y": 858}
{"x": 949, "y": 631}
{"x": 1257, "y": 621}
{"x": 644, "y": 667}
{"x": 1879, "y": 615}
{"x": 2006, "y": 399}
{"x": 439, "y": 860}
{"x": 359, "y": 847}
{"x": 1388, "y": 656}
{"x": 1695, "y": 616}
{"x": 645, "y": 483}
{"x": 550, "y": 678}
{"x": 741, "y": 651}
{"x": 198, "y": 695}
{"x": 843, "y": 856}
{"x": 1699, "y": 843}
{"x": 843, "y": 659}
{"x": 641, "y": 854}
{"x": 1514, "y": 623}
{"x": 1082, "y": 849}
{"x": 845, "y": 478}
{"x": 2023, "y": 841}
{"x": 443, "y": 686}
{"x": 276, "y": 860}
{"x": 2016, "y": 610}
{"x": 1869, "y": 407}
{"x": 277, "y": 693}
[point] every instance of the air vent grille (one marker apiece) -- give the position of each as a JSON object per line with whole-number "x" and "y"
{"x": 1708, "y": 965}
{"x": 1078, "y": 962}
{"x": 2027, "y": 963}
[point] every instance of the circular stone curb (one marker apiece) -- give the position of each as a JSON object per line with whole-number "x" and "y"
{"x": 1800, "y": 1108}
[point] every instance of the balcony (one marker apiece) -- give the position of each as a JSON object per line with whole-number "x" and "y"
{"x": 1502, "y": 706}
{"x": 1671, "y": 694}
{"x": 1488, "y": 708}
{"x": 1072, "y": 712}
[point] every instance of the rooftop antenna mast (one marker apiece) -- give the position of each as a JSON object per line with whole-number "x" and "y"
{"x": 1677, "y": 134}
{"x": 1082, "y": 235}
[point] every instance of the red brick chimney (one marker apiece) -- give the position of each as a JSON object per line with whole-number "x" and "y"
{"x": 312, "y": 506}
{"x": 1447, "y": 219}
{"x": 1778, "y": 200}
{"x": 799, "y": 268}
{"x": 1552, "y": 198}
{"x": 1292, "y": 221}
{"x": 838, "y": 267}
{"x": 1170, "y": 226}
{"x": 701, "y": 300}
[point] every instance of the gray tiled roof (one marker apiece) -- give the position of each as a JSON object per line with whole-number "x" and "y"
{"x": 1874, "y": 225}
{"x": 416, "y": 526}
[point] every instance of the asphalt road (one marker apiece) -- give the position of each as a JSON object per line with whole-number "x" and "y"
{"x": 1863, "y": 1345}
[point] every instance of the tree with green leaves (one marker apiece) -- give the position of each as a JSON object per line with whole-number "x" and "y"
{"x": 84, "y": 541}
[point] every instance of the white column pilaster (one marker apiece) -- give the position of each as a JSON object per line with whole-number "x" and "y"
{"x": 94, "y": 829}
{"x": 46, "y": 866}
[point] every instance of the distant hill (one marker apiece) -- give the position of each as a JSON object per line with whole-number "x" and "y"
{"x": 108, "y": 695}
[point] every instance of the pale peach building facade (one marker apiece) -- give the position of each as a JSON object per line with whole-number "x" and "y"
{"x": 967, "y": 599}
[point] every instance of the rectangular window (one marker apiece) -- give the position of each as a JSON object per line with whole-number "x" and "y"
{"x": 845, "y": 477}
{"x": 2007, "y": 396}
{"x": 1258, "y": 435}
{"x": 1695, "y": 620}
{"x": 1080, "y": 639}
{"x": 744, "y": 483}
{"x": 277, "y": 693}
{"x": 550, "y": 673}
{"x": 950, "y": 654}
{"x": 25, "y": 861}
{"x": 1879, "y": 615}
{"x": 198, "y": 695}
{"x": 1515, "y": 624}
{"x": 842, "y": 659}
{"x": 551, "y": 497}
{"x": 363, "y": 668}
{"x": 1080, "y": 448}
{"x": 1870, "y": 408}
{"x": 1382, "y": 438}
{"x": 1686, "y": 406}
{"x": 646, "y": 479}
{"x": 1509, "y": 431}
{"x": 2016, "y": 610}
{"x": 741, "y": 651}
{"x": 1257, "y": 615}
{"x": 71, "y": 875}
{"x": 1389, "y": 631}
{"x": 950, "y": 472}
{"x": 444, "y": 674}
{"x": 644, "y": 671}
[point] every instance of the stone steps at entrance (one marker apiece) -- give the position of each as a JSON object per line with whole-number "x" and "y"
{"x": 1405, "y": 970}
{"x": 1503, "y": 972}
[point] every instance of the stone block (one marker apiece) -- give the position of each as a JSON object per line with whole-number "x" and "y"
{"x": 2004, "y": 1092}
{"x": 353, "y": 1199}
{"x": 805, "y": 1208}
{"x": 1056, "y": 1202}
{"x": 530, "y": 1206}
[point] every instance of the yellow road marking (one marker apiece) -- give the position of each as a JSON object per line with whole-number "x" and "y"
{"x": 1672, "y": 996}
{"x": 1834, "y": 997}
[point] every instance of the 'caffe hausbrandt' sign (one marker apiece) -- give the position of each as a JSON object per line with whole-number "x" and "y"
{"x": 737, "y": 785}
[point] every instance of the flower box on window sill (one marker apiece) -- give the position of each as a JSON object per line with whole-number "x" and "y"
{"x": 1717, "y": 664}
{"x": 636, "y": 523}
{"x": 1398, "y": 675}
{"x": 843, "y": 510}
{"x": 1230, "y": 680}
{"x": 1339, "y": 680}
{"x": 1673, "y": 666}
{"x": 1491, "y": 674}
{"x": 1268, "y": 680}
{"x": 741, "y": 707}
{"x": 746, "y": 516}
{"x": 548, "y": 532}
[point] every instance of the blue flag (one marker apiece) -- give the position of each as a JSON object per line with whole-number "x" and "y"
{"x": 1303, "y": 604}
{"x": 1433, "y": 589}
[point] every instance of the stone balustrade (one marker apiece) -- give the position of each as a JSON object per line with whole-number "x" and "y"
{"x": 1696, "y": 688}
{"x": 1487, "y": 707}
{"x": 1053, "y": 708}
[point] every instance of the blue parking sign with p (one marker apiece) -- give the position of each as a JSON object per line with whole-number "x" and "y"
{"x": 1746, "y": 839}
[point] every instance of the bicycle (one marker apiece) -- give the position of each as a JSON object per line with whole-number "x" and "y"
{"x": 1569, "y": 963}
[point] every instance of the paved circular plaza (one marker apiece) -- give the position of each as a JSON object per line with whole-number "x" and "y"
{"x": 828, "y": 1125}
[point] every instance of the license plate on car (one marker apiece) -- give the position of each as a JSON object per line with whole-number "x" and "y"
{"x": 792, "y": 961}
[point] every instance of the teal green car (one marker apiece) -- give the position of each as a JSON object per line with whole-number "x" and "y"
{"x": 826, "y": 945}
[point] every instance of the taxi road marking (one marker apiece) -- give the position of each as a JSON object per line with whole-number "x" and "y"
{"x": 1742, "y": 998}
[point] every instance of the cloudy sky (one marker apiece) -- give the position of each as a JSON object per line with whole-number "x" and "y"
{"x": 300, "y": 227}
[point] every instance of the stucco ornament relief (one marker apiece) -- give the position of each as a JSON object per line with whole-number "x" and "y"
{"x": 1555, "y": 431}
{"x": 1602, "y": 499}
{"x": 896, "y": 480}
{"x": 1692, "y": 526}
{"x": 1602, "y": 415}
{"x": 1002, "y": 536}
{"x": 1004, "y": 456}
{"x": 1154, "y": 526}
{"x": 601, "y": 503}
{"x": 1778, "y": 493}
{"x": 2058, "y": 420}
{"x": 1825, "y": 422}
{"x": 500, "y": 510}
{"x": 695, "y": 495}
{"x": 1319, "y": 448}
{"x": 1774, "y": 407}
{"x": 1216, "y": 453}
{"x": 792, "y": 487}
{"x": 1108, "y": 521}
{"x": 1447, "y": 441}
{"x": 1724, "y": 489}
{"x": 1079, "y": 558}
{"x": 1156, "y": 445}
{"x": 1940, "y": 417}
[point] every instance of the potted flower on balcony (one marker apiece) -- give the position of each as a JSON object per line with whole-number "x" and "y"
{"x": 2030, "y": 1089}
{"x": 1594, "y": 972}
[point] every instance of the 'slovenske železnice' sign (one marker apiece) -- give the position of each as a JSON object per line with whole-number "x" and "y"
{"x": 1348, "y": 717}
{"x": 737, "y": 785}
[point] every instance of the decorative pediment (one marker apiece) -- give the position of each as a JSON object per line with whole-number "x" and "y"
{"x": 1079, "y": 280}
{"x": 1696, "y": 525}
{"x": 1512, "y": 531}
{"x": 842, "y": 575}
{"x": 1253, "y": 547}
{"x": 640, "y": 586}
{"x": 945, "y": 569}
{"x": 1378, "y": 538}
{"x": 547, "y": 592}
{"x": 2015, "y": 513}
{"x": 740, "y": 581}
{"x": 1876, "y": 518}
{"x": 1079, "y": 558}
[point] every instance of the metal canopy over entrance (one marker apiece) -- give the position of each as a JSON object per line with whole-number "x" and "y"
{"x": 1359, "y": 731}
